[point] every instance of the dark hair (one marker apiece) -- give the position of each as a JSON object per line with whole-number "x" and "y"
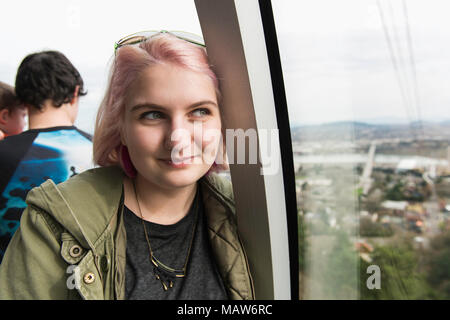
{"x": 47, "y": 75}
{"x": 8, "y": 99}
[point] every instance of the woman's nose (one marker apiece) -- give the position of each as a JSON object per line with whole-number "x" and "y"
{"x": 179, "y": 134}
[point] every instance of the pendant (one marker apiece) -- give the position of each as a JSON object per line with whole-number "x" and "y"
{"x": 165, "y": 286}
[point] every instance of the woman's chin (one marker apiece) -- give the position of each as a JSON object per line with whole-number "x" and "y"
{"x": 181, "y": 178}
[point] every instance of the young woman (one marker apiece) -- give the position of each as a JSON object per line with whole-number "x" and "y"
{"x": 153, "y": 221}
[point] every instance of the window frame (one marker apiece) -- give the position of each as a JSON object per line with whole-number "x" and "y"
{"x": 242, "y": 46}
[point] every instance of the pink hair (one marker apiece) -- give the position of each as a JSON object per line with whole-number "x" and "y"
{"x": 129, "y": 61}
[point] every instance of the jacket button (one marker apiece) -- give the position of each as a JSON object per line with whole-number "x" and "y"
{"x": 75, "y": 251}
{"x": 89, "y": 278}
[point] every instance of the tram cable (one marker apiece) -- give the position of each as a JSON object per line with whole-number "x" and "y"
{"x": 413, "y": 69}
{"x": 396, "y": 56}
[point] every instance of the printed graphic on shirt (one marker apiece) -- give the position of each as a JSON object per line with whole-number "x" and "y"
{"x": 55, "y": 155}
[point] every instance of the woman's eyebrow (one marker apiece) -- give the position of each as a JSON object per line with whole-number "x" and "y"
{"x": 159, "y": 107}
{"x": 147, "y": 106}
{"x": 201, "y": 103}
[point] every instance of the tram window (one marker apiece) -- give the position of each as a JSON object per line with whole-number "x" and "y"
{"x": 368, "y": 106}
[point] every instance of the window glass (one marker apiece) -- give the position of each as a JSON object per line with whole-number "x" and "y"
{"x": 367, "y": 89}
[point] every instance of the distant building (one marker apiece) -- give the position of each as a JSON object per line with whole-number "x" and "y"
{"x": 407, "y": 165}
{"x": 414, "y": 221}
{"x": 394, "y": 205}
{"x": 416, "y": 208}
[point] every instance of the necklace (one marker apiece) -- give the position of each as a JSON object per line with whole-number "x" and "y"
{"x": 161, "y": 271}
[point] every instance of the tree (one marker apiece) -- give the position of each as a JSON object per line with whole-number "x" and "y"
{"x": 438, "y": 265}
{"x": 374, "y": 229}
{"x": 395, "y": 193}
{"x": 400, "y": 278}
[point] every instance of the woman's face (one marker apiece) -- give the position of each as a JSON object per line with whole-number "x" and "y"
{"x": 171, "y": 125}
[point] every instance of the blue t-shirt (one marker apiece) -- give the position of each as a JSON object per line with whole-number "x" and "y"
{"x": 29, "y": 159}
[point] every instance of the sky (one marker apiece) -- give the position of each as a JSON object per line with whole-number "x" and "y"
{"x": 337, "y": 66}
{"x": 334, "y": 54}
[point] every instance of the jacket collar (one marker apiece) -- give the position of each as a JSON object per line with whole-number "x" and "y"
{"x": 84, "y": 204}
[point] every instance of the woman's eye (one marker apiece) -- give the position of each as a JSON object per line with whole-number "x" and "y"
{"x": 201, "y": 112}
{"x": 152, "y": 115}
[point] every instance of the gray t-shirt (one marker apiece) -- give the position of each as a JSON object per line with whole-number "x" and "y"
{"x": 170, "y": 245}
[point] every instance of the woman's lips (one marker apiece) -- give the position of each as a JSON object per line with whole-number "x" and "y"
{"x": 179, "y": 163}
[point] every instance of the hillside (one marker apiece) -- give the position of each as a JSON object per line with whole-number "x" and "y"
{"x": 353, "y": 131}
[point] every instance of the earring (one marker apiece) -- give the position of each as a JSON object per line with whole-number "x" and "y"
{"x": 126, "y": 163}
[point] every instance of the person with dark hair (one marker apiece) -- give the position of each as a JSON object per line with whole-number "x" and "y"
{"x": 49, "y": 86}
{"x": 12, "y": 112}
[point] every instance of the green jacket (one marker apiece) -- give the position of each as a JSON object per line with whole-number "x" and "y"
{"x": 71, "y": 242}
